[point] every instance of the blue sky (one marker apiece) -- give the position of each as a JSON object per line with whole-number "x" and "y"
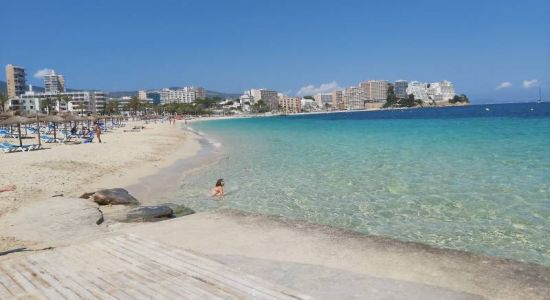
{"x": 285, "y": 45}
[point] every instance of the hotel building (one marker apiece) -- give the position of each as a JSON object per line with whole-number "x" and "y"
{"x": 400, "y": 89}
{"x": 85, "y": 102}
{"x": 271, "y": 98}
{"x": 354, "y": 98}
{"x": 15, "y": 80}
{"x": 322, "y": 99}
{"x": 290, "y": 105}
{"x": 375, "y": 90}
{"x": 184, "y": 95}
{"x": 54, "y": 83}
{"x": 338, "y": 100}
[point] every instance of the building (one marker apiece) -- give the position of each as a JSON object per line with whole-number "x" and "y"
{"x": 354, "y": 98}
{"x": 418, "y": 89}
{"x": 400, "y": 89}
{"x": 269, "y": 97}
{"x": 441, "y": 91}
{"x": 338, "y": 100}
{"x": 85, "y": 102}
{"x": 142, "y": 95}
{"x": 183, "y": 95}
{"x": 16, "y": 81}
{"x": 375, "y": 90}
{"x": 322, "y": 99}
{"x": 54, "y": 83}
{"x": 153, "y": 97}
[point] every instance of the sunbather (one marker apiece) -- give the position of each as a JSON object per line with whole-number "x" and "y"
{"x": 7, "y": 188}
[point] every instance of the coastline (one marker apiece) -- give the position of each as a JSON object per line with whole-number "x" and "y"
{"x": 61, "y": 173}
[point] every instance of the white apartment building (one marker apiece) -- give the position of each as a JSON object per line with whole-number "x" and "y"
{"x": 375, "y": 90}
{"x": 184, "y": 95}
{"x": 81, "y": 101}
{"x": 338, "y": 100}
{"x": 400, "y": 89}
{"x": 354, "y": 98}
{"x": 142, "y": 95}
{"x": 418, "y": 89}
{"x": 441, "y": 91}
{"x": 54, "y": 83}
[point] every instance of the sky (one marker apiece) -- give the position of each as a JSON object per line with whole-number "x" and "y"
{"x": 493, "y": 51}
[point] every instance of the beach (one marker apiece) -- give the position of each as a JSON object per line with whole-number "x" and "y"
{"x": 322, "y": 261}
{"x": 68, "y": 171}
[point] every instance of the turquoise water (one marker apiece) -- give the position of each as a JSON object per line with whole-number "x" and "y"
{"x": 464, "y": 178}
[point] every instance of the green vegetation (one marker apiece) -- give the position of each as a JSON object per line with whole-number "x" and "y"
{"x": 459, "y": 99}
{"x": 111, "y": 108}
{"x": 3, "y": 101}
{"x": 409, "y": 102}
{"x": 182, "y": 109}
{"x": 309, "y": 97}
{"x": 391, "y": 100}
{"x": 260, "y": 107}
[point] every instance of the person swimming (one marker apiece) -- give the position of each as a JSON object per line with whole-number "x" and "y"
{"x": 217, "y": 191}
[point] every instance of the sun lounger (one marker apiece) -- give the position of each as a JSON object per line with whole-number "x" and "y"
{"x": 9, "y": 148}
{"x": 49, "y": 139}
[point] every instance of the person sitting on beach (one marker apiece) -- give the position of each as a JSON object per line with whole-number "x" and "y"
{"x": 7, "y": 188}
{"x": 217, "y": 191}
{"x": 74, "y": 130}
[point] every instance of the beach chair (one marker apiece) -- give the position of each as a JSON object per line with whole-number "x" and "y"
{"x": 49, "y": 139}
{"x": 9, "y": 148}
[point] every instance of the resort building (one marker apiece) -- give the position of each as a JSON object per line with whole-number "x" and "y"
{"x": 400, "y": 89}
{"x": 15, "y": 80}
{"x": 183, "y": 95}
{"x": 338, "y": 100}
{"x": 270, "y": 97}
{"x": 322, "y": 99}
{"x": 418, "y": 89}
{"x": 290, "y": 105}
{"x": 375, "y": 90}
{"x": 441, "y": 91}
{"x": 54, "y": 83}
{"x": 84, "y": 102}
{"x": 142, "y": 95}
{"x": 354, "y": 98}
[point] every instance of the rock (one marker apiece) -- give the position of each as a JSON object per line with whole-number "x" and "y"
{"x": 114, "y": 197}
{"x": 178, "y": 209}
{"x": 149, "y": 213}
{"x": 86, "y": 195}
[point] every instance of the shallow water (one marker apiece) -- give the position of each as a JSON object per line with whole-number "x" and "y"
{"x": 464, "y": 178}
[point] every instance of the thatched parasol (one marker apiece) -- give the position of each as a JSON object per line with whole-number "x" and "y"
{"x": 17, "y": 120}
{"x": 54, "y": 120}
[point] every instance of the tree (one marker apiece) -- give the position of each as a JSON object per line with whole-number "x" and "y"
{"x": 111, "y": 107}
{"x": 391, "y": 99}
{"x": 410, "y": 101}
{"x": 260, "y": 107}
{"x": 309, "y": 97}
{"x": 459, "y": 99}
{"x": 134, "y": 105}
{"x": 3, "y": 101}
{"x": 47, "y": 104}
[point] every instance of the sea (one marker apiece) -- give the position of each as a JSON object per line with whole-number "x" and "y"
{"x": 473, "y": 178}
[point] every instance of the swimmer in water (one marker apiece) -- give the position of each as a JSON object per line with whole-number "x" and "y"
{"x": 217, "y": 191}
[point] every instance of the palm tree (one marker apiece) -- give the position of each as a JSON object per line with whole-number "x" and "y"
{"x": 46, "y": 104}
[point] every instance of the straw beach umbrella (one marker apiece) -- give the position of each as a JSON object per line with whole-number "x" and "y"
{"x": 54, "y": 120}
{"x": 18, "y": 120}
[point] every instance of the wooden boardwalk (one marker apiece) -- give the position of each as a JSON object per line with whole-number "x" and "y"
{"x": 128, "y": 267}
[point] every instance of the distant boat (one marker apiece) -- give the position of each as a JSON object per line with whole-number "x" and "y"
{"x": 540, "y": 96}
{"x": 487, "y": 109}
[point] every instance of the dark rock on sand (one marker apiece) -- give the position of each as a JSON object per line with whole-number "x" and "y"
{"x": 149, "y": 213}
{"x": 87, "y": 195}
{"x": 114, "y": 197}
{"x": 178, "y": 209}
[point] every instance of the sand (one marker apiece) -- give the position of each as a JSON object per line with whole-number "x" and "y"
{"x": 67, "y": 171}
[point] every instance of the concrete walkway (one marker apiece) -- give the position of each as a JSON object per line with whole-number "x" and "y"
{"x": 128, "y": 267}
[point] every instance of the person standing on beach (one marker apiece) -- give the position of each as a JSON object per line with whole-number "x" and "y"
{"x": 97, "y": 130}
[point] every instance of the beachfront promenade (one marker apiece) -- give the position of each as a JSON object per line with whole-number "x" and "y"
{"x": 129, "y": 267}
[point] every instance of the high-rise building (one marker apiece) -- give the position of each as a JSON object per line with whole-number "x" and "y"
{"x": 54, "y": 83}
{"x": 15, "y": 80}
{"x": 354, "y": 98}
{"x": 441, "y": 91}
{"x": 418, "y": 89}
{"x": 338, "y": 100}
{"x": 184, "y": 95}
{"x": 290, "y": 105}
{"x": 375, "y": 90}
{"x": 142, "y": 95}
{"x": 400, "y": 89}
{"x": 269, "y": 97}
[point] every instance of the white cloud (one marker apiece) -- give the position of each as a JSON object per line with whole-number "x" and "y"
{"x": 530, "y": 83}
{"x": 504, "y": 85}
{"x": 310, "y": 90}
{"x": 41, "y": 73}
